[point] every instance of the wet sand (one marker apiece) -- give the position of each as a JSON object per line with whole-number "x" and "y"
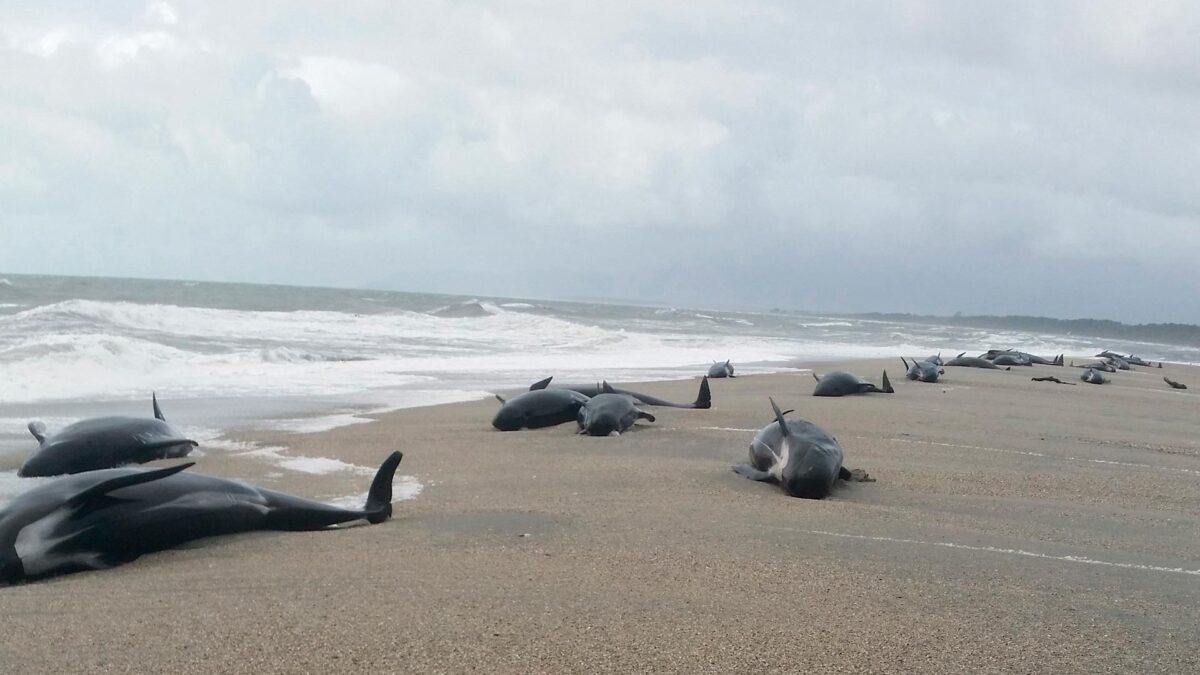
{"x": 1015, "y": 526}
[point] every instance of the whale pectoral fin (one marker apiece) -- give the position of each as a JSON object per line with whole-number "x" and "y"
{"x": 500, "y": 398}
{"x": 902, "y": 360}
{"x": 38, "y": 429}
{"x": 844, "y": 473}
{"x": 814, "y": 374}
{"x": 157, "y": 411}
{"x": 541, "y": 384}
{"x": 753, "y": 473}
{"x": 856, "y": 475}
{"x": 643, "y": 415}
{"x": 102, "y": 489}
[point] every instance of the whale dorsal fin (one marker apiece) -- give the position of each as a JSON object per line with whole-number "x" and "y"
{"x": 38, "y": 429}
{"x": 887, "y": 386}
{"x": 960, "y": 355}
{"x": 157, "y": 410}
{"x": 607, "y": 388}
{"x": 779, "y": 417}
{"x": 541, "y": 384}
{"x": 105, "y": 487}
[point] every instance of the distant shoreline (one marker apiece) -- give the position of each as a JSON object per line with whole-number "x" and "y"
{"x": 1167, "y": 333}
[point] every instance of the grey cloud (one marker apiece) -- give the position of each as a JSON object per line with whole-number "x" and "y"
{"x": 1042, "y": 155}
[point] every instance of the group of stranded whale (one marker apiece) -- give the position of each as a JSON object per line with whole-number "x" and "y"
{"x": 99, "y": 512}
{"x": 98, "y": 515}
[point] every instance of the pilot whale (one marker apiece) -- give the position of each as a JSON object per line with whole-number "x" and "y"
{"x": 536, "y": 409}
{"x": 609, "y": 413}
{"x": 798, "y": 456}
{"x": 721, "y": 369}
{"x": 99, "y": 519}
{"x": 104, "y": 443}
{"x": 924, "y": 371}
{"x": 841, "y": 383}
{"x": 703, "y": 398}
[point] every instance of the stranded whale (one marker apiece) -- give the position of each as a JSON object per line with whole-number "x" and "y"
{"x": 99, "y": 519}
{"x": 720, "y": 370}
{"x": 609, "y": 413}
{"x": 796, "y": 455}
{"x": 841, "y": 383}
{"x": 104, "y": 443}
{"x": 972, "y": 362}
{"x": 703, "y": 398}
{"x": 536, "y": 409}
{"x": 925, "y": 371}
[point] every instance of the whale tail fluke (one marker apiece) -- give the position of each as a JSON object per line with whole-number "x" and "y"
{"x": 887, "y": 385}
{"x": 541, "y": 384}
{"x": 157, "y": 410}
{"x": 704, "y": 398}
{"x": 379, "y": 499}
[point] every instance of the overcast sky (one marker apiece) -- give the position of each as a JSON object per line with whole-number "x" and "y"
{"x": 1011, "y": 157}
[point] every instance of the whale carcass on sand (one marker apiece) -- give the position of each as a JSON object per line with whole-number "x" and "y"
{"x": 798, "y": 456}
{"x": 104, "y": 443}
{"x": 98, "y": 519}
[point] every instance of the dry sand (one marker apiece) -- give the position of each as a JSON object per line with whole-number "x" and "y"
{"x": 1016, "y": 527}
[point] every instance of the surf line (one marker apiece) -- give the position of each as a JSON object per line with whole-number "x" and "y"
{"x": 1030, "y": 453}
{"x": 1081, "y": 560}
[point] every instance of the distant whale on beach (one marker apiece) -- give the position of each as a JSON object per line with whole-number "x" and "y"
{"x": 1093, "y": 376}
{"x": 537, "y": 409}
{"x": 924, "y": 371}
{"x": 972, "y": 362}
{"x": 720, "y": 370}
{"x": 1013, "y": 357}
{"x": 104, "y": 443}
{"x": 703, "y": 398}
{"x": 99, "y": 519}
{"x": 841, "y": 383}
{"x": 609, "y": 413}
{"x": 798, "y": 456}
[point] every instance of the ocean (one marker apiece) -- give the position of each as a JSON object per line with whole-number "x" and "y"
{"x": 224, "y": 357}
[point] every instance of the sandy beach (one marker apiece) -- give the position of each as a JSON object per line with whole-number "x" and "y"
{"x": 1014, "y": 527}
